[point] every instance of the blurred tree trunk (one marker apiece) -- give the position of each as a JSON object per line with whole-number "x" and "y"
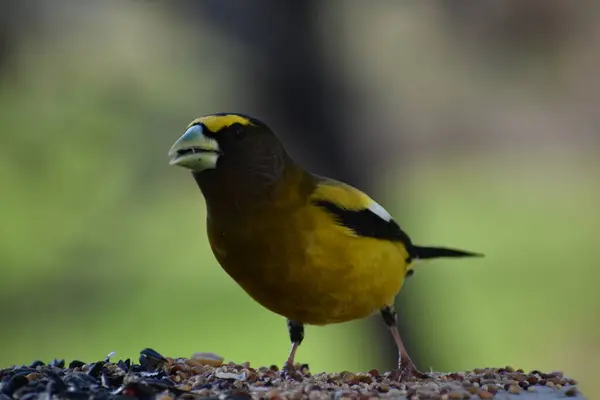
{"x": 9, "y": 30}
{"x": 288, "y": 80}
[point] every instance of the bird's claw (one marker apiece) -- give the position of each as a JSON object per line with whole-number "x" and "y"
{"x": 406, "y": 372}
{"x": 289, "y": 372}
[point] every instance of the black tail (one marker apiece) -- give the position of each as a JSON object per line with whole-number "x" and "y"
{"x": 423, "y": 252}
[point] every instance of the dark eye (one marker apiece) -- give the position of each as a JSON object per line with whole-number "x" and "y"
{"x": 239, "y": 132}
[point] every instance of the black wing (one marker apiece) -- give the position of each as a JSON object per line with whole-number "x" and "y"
{"x": 366, "y": 223}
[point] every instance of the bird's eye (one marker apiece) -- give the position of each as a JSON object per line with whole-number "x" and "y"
{"x": 239, "y": 132}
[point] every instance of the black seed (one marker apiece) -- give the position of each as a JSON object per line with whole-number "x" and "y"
{"x": 524, "y": 384}
{"x": 51, "y": 388}
{"x": 136, "y": 368}
{"x": 204, "y": 386}
{"x": 36, "y": 363}
{"x": 26, "y": 390}
{"x": 139, "y": 390}
{"x": 81, "y": 380}
{"x": 76, "y": 364}
{"x": 95, "y": 369}
{"x": 13, "y": 384}
{"x": 26, "y": 396}
{"x": 238, "y": 395}
{"x": 22, "y": 371}
{"x": 151, "y": 360}
{"x": 104, "y": 379}
{"x": 57, "y": 384}
{"x": 76, "y": 395}
{"x": 224, "y": 385}
{"x": 116, "y": 380}
{"x": 158, "y": 383}
{"x": 151, "y": 353}
{"x": 57, "y": 363}
{"x": 154, "y": 375}
{"x": 102, "y": 394}
{"x": 167, "y": 382}
{"x": 124, "y": 365}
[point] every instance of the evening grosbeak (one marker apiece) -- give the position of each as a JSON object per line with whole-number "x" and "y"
{"x": 312, "y": 249}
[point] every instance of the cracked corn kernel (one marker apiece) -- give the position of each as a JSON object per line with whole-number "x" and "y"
{"x": 472, "y": 389}
{"x": 514, "y": 389}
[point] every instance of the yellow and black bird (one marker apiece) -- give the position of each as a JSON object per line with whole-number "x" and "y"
{"x": 311, "y": 249}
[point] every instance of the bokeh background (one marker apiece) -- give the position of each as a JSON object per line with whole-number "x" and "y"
{"x": 475, "y": 123}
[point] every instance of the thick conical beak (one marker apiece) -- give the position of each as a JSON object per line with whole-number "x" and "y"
{"x": 194, "y": 150}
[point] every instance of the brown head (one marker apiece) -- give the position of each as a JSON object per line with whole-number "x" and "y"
{"x": 234, "y": 158}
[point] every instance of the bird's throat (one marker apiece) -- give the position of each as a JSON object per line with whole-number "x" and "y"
{"x": 239, "y": 191}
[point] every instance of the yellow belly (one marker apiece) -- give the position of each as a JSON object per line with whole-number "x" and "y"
{"x": 314, "y": 273}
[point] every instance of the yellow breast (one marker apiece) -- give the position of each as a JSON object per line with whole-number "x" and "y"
{"x": 306, "y": 268}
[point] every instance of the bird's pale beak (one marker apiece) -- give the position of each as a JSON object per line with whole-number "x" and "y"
{"x": 194, "y": 150}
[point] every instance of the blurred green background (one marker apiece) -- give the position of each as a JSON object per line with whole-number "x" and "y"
{"x": 474, "y": 123}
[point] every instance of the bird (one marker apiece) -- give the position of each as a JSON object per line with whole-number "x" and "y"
{"x": 312, "y": 249}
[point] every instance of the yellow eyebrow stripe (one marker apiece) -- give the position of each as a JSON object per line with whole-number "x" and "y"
{"x": 215, "y": 123}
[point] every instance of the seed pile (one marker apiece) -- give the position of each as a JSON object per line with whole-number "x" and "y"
{"x": 206, "y": 376}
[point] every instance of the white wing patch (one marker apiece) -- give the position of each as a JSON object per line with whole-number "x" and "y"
{"x": 378, "y": 210}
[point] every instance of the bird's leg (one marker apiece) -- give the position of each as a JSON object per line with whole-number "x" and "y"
{"x": 406, "y": 367}
{"x": 296, "y": 331}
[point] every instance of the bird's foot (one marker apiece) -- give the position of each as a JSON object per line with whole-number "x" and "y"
{"x": 290, "y": 372}
{"x": 406, "y": 372}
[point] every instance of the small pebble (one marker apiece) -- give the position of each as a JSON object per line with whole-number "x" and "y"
{"x": 164, "y": 396}
{"x": 273, "y": 393}
{"x": 202, "y": 392}
{"x": 571, "y": 392}
{"x": 211, "y": 359}
{"x": 472, "y": 389}
{"x": 34, "y": 376}
{"x": 556, "y": 380}
{"x": 514, "y": 389}
{"x": 304, "y": 370}
{"x": 483, "y": 394}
